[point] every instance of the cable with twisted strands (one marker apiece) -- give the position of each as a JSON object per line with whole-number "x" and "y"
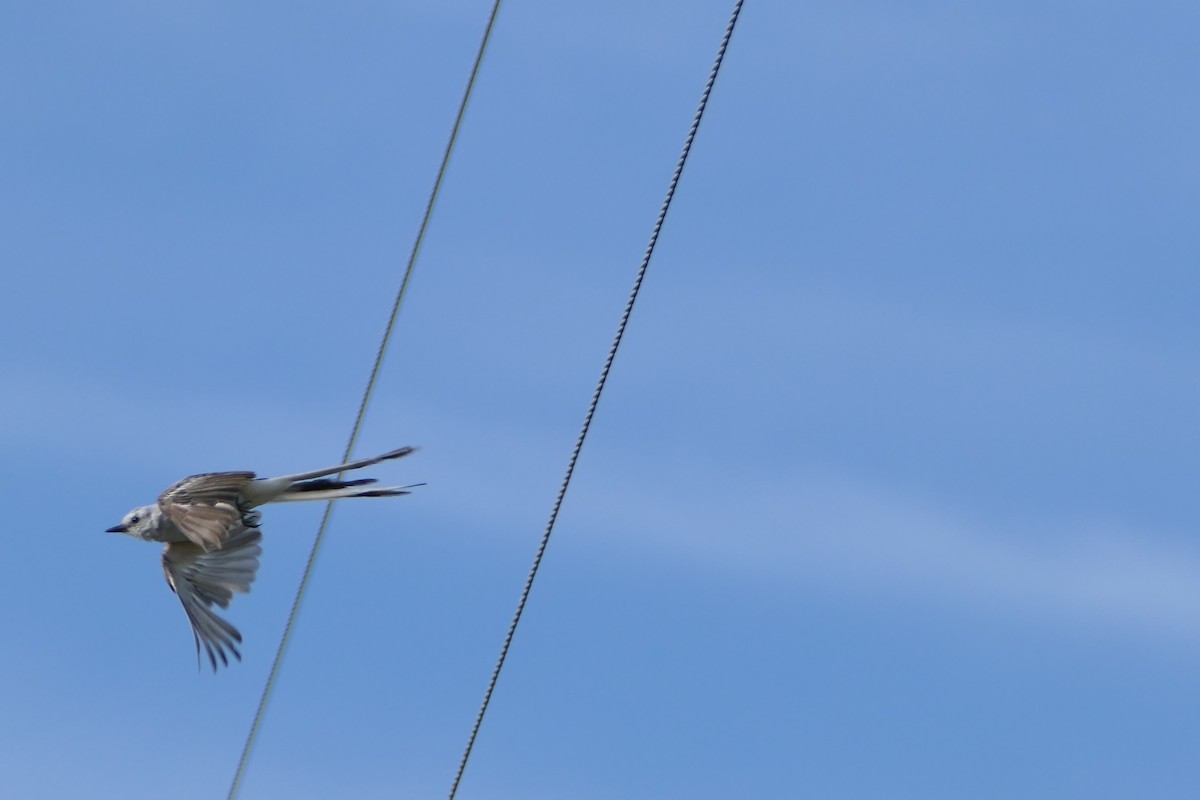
{"x": 591, "y": 410}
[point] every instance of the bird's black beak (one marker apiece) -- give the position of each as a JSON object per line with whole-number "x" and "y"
{"x": 117, "y": 529}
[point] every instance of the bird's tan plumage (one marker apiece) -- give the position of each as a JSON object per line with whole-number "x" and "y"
{"x": 210, "y": 528}
{"x": 202, "y": 578}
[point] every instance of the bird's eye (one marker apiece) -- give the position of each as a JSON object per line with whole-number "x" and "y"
{"x": 134, "y": 518}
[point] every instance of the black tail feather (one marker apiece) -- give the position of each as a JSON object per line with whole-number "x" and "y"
{"x": 323, "y": 484}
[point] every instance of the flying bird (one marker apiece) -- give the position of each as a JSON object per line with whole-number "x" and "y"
{"x": 210, "y": 527}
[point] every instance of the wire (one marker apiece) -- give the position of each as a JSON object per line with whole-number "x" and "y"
{"x": 362, "y": 409}
{"x": 591, "y": 410}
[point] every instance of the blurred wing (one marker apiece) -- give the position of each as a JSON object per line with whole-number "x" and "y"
{"x": 203, "y": 577}
{"x": 208, "y": 508}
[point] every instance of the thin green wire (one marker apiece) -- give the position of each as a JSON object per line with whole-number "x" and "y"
{"x": 252, "y": 736}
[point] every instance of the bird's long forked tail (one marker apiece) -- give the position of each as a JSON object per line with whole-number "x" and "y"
{"x": 315, "y": 485}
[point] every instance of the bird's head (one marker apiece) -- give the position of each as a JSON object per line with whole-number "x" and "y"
{"x": 139, "y": 523}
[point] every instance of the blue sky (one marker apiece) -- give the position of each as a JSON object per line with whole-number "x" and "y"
{"x": 893, "y": 489}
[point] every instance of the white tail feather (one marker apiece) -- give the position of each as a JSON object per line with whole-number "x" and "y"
{"x": 349, "y": 491}
{"x": 347, "y": 467}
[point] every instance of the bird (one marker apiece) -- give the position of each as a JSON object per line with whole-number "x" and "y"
{"x": 211, "y": 530}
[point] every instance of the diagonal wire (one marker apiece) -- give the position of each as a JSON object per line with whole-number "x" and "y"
{"x": 591, "y": 410}
{"x": 362, "y": 408}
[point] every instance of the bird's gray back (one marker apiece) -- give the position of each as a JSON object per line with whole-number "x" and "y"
{"x": 206, "y": 507}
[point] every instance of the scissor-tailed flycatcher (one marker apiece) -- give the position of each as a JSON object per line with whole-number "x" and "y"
{"x": 212, "y": 536}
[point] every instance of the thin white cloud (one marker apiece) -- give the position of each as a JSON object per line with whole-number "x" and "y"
{"x": 845, "y": 537}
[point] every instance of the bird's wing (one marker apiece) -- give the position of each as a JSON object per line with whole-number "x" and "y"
{"x": 203, "y": 577}
{"x": 208, "y": 508}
